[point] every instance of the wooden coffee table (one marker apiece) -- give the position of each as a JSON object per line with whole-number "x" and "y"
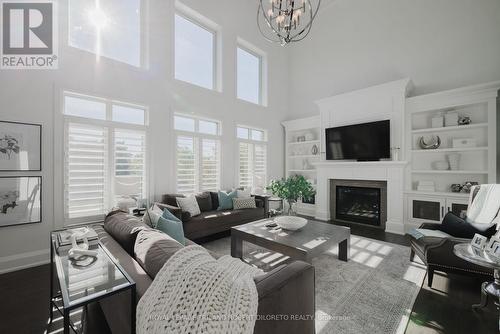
{"x": 305, "y": 244}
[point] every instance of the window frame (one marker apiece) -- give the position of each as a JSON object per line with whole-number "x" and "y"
{"x": 143, "y": 39}
{"x": 249, "y": 140}
{"x": 198, "y": 138}
{"x": 111, "y": 127}
{"x": 201, "y": 21}
{"x": 263, "y": 70}
{"x": 261, "y": 73}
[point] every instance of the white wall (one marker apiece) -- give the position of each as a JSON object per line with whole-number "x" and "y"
{"x": 33, "y": 96}
{"x": 356, "y": 44}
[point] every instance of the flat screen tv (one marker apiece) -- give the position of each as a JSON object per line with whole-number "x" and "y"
{"x": 362, "y": 142}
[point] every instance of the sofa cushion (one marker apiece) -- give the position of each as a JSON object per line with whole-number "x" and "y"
{"x": 215, "y": 199}
{"x": 189, "y": 204}
{"x": 152, "y": 249}
{"x": 124, "y": 229}
{"x": 226, "y": 200}
{"x": 170, "y": 199}
{"x": 244, "y": 203}
{"x": 204, "y": 201}
{"x": 173, "y": 228}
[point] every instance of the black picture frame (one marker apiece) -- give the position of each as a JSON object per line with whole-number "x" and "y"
{"x": 39, "y": 147}
{"x": 39, "y": 196}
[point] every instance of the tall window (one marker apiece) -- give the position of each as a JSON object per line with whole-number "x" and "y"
{"x": 249, "y": 76}
{"x": 105, "y": 155}
{"x": 198, "y": 158}
{"x": 111, "y": 28}
{"x": 194, "y": 52}
{"x": 252, "y": 149}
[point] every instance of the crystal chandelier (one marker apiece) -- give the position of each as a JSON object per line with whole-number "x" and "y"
{"x": 288, "y": 20}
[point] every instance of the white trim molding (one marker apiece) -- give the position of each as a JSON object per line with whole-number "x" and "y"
{"x": 25, "y": 260}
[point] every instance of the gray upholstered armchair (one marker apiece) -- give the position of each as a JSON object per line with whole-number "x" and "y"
{"x": 435, "y": 249}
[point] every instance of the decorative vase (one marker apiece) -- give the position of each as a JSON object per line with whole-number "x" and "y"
{"x": 314, "y": 149}
{"x": 453, "y": 160}
{"x": 291, "y": 210}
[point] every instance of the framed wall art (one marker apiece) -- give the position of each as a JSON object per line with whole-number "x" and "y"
{"x": 20, "y": 147}
{"x": 20, "y": 200}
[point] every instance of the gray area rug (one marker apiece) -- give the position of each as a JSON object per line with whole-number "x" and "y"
{"x": 372, "y": 293}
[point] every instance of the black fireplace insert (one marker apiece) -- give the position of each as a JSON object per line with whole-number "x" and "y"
{"x": 358, "y": 204}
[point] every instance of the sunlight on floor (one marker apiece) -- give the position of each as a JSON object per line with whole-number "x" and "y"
{"x": 366, "y": 252}
{"x": 414, "y": 273}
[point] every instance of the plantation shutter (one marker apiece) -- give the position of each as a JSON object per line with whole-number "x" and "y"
{"x": 186, "y": 164}
{"x": 130, "y": 167}
{"x": 210, "y": 165}
{"x": 86, "y": 167}
{"x": 246, "y": 165}
{"x": 260, "y": 165}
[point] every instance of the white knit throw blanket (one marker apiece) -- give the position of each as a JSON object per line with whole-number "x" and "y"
{"x": 484, "y": 208}
{"x": 194, "y": 293}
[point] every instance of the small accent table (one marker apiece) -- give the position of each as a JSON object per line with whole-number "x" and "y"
{"x": 81, "y": 285}
{"x": 304, "y": 244}
{"x": 477, "y": 256}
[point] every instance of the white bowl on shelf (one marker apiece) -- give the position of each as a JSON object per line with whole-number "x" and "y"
{"x": 291, "y": 223}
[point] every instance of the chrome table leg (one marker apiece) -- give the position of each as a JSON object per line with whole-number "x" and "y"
{"x": 484, "y": 297}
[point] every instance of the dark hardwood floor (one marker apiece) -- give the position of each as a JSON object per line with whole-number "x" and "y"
{"x": 446, "y": 308}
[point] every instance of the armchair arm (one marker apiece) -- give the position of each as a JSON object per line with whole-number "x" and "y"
{"x": 442, "y": 254}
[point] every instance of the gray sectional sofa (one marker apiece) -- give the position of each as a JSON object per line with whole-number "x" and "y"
{"x": 211, "y": 221}
{"x": 285, "y": 292}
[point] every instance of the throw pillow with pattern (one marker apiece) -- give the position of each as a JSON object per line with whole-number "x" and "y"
{"x": 244, "y": 203}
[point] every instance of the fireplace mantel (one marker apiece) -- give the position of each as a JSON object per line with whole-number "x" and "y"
{"x": 328, "y": 164}
{"x": 390, "y": 171}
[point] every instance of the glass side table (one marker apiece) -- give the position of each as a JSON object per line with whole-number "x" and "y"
{"x": 478, "y": 256}
{"x": 84, "y": 282}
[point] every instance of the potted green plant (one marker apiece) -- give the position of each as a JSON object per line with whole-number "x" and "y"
{"x": 291, "y": 189}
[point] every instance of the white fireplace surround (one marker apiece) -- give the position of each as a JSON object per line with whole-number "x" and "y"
{"x": 390, "y": 171}
{"x": 381, "y": 102}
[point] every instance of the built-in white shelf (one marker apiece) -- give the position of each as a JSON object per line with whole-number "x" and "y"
{"x": 304, "y": 156}
{"x": 452, "y": 128}
{"x": 421, "y": 171}
{"x": 464, "y": 149}
{"x": 302, "y": 170}
{"x": 438, "y": 193}
{"x": 304, "y": 142}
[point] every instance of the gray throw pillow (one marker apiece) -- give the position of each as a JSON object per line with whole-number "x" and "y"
{"x": 204, "y": 201}
{"x": 152, "y": 249}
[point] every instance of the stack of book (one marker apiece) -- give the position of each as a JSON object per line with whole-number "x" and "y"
{"x": 64, "y": 237}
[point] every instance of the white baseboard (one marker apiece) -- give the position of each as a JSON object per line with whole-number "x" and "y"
{"x": 24, "y": 260}
{"x": 395, "y": 227}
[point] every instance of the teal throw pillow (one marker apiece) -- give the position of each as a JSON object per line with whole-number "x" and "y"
{"x": 170, "y": 216}
{"x": 173, "y": 228}
{"x": 226, "y": 200}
